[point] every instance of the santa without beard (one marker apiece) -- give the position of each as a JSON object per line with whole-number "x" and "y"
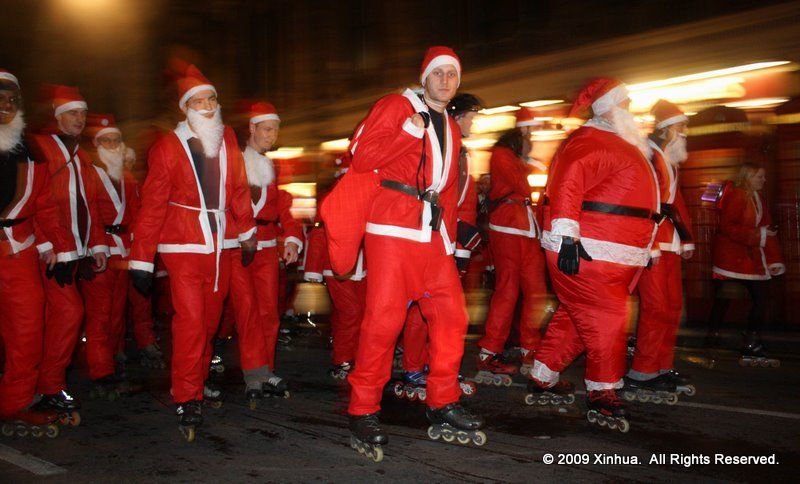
{"x": 260, "y": 170}
{"x": 11, "y": 133}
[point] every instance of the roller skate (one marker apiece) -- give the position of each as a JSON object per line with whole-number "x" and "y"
{"x": 562, "y": 393}
{"x": 682, "y": 382}
{"x": 36, "y": 423}
{"x": 526, "y": 362}
{"x": 660, "y": 389}
{"x": 607, "y": 410}
{"x": 64, "y": 405}
{"x": 276, "y": 386}
{"x": 217, "y": 365}
{"x": 752, "y": 353}
{"x": 112, "y": 387}
{"x": 254, "y": 395}
{"x": 631, "y": 346}
{"x": 468, "y": 388}
{"x": 454, "y": 422}
{"x": 190, "y": 417}
{"x": 397, "y": 362}
{"x": 367, "y": 436}
{"x": 412, "y": 386}
{"x": 493, "y": 371}
{"x": 340, "y": 372}
{"x": 151, "y": 357}
{"x": 213, "y": 395}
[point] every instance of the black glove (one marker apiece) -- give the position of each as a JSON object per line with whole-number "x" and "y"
{"x": 142, "y": 281}
{"x": 461, "y": 264}
{"x": 489, "y": 279}
{"x": 570, "y": 255}
{"x": 426, "y": 118}
{"x": 468, "y": 235}
{"x": 86, "y": 269}
{"x": 248, "y": 254}
{"x": 63, "y": 272}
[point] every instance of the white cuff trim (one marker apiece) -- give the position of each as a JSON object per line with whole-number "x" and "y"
{"x": 763, "y": 237}
{"x": 565, "y": 227}
{"x": 542, "y": 373}
{"x": 780, "y": 267}
{"x": 593, "y": 386}
{"x": 100, "y": 248}
{"x": 294, "y": 240}
{"x": 44, "y": 247}
{"x": 67, "y": 256}
{"x": 414, "y": 131}
{"x": 463, "y": 253}
{"x": 312, "y": 276}
{"x": 141, "y": 266}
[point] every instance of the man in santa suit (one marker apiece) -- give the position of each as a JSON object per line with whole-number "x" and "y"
{"x": 347, "y": 293}
{"x": 106, "y": 294}
{"x": 195, "y": 188}
{"x": 25, "y": 198}
{"x": 258, "y": 283}
{"x": 516, "y": 253}
{"x": 413, "y": 145}
{"x": 599, "y": 225}
{"x": 660, "y": 287}
{"x": 74, "y": 187}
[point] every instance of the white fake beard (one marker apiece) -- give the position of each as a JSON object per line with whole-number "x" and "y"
{"x": 675, "y": 152}
{"x": 625, "y": 125}
{"x": 259, "y": 168}
{"x": 113, "y": 161}
{"x": 11, "y": 133}
{"x": 208, "y": 130}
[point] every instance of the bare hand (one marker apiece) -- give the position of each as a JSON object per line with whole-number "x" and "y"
{"x": 654, "y": 261}
{"x": 417, "y": 120}
{"x": 290, "y": 251}
{"x": 687, "y": 254}
{"x": 48, "y": 258}
{"x": 249, "y": 244}
{"x": 100, "y": 261}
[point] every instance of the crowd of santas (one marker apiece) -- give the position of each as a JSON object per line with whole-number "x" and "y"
{"x": 81, "y": 241}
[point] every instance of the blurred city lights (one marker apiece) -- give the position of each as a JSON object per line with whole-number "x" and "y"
{"x": 499, "y": 110}
{"x": 541, "y": 102}
{"x": 286, "y": 153}
{"x": 764, "y": 102}
{"x": 478, "y": 143}
{"x": 549, "y": 134}
{"x": 340, "y": 144}
{"x": 728, "y": 71}
{"x": 537, "y": 180}
{"x": 492, "y": 124}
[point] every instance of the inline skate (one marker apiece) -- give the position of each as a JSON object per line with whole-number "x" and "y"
{"x": 454, "y": 423}
{"x": 561, "y": 393}
{"x": 367, "y": 436}
{"x": 607, "y": 410}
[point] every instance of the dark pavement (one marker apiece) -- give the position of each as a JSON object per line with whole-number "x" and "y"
{"x": 737, "y": 411}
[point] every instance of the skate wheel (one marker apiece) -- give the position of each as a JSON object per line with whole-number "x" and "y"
{"x": 75, "y": 419}
{"x": 529, "y": 399}
{"x": 398, "y": 389}
{"x": 36, "y": 431}
{"x": 591, "y": 416}
{"x": 672, "y": 399}
{"x": 52, "y": 431}
{"x": 377, "y": 454}
{"x": 188, "y": 433}
{"x": 690, "y": 390}
{"x": 463, "y": 438}
{"x": 479, "y": 438}
{"x": 286, "y": 394}
{"x": 22, "y": 431}
{"x": 448, "y": 436}
{"x": 775, "y": 363}
{"x": 629, "y": 396}
{"x": 644, "y": 398}
{"x": 612, "y": 424}
{"x": 624, "y": 426}
{"x": 601, "y": 420}
{"x": 478, "y": 379}
{"x": 253, "y": 404}
{"x": 507, "y": 381}
{"x": 657, "y": 400}
{"x": 497, "y": 382}
{"x": 469, "y": 389}
{"x": 570, "y": 399}
{"x": 422, "y": 395}
{"x": 434, "y": 433}
{"x": 411, "y": 394}
{"x": 545, "y": 400}
{"x": 7, "y": 430}
{"x": 215, "y": 404}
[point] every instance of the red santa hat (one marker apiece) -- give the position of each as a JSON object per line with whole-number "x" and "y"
{"x": 101, "y": 124}
{"x": 667, "y": 114}
{"x": 67, "y": 98}
{"x": 600, "y": 95}
{"x": 192, "y": 82}
{"x": 258, "y": 111}
{"x": 9, "y": 77}
{"x": 438, "y": 56}
{"x": 527, "y": 117}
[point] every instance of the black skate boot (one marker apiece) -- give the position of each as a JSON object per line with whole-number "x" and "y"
{"x": 254, "y": 396}
{"x": 217, "y": 365}
{"x": 65, "y": 406}
{"x": 454, "y": 422}
{"x": 562, "y": 393}
{"x": 36, "y": 423}
{"x": 367, "y": 436}
{"x": 190, "y": 416}
{"x": 276, "y": 386}
{"x": 606, "y": 409}
{"x": 340, "y": 372}
{"x": 682, "y": 381}
{"x": 112, "y": 387}
{"x": 631, "y": 346}
{"x": 660, "y": 389}
{"x": 151, "y": 356}
{"x": 213, "y": 395}
{"x": 752, "y": 353}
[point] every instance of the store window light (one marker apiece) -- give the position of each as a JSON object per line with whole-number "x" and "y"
{"x": 499, "y": 110}
{"x": 541, "y": 102}
{"x": 537, "y": 180}
{"x": 340, "y": 144}
{"x": 285, "y": 153}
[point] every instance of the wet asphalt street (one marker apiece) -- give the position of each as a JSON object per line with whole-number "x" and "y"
{"x": 736, "y": 412}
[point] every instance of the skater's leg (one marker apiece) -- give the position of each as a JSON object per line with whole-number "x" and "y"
{"x": 101, "y": 342}
{"x": 348, "y": 298}
{"x": 242, "y": 300}
{"x": 265, "y": 272}
{"x": 675, "y": 297}
{"x": 534, "y": 295}
{"x": 141, "y": 313}
{"x": 507, "y": 257}
{"x": 559, "y": 347}
{"x": 415, "y": 340}
{"x": 213, "y": 302}
{"x": 718, "y": 308}
{"x": 759, "y": 294}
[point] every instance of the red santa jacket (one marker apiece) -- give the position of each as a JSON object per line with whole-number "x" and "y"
{"x": 173, "y": 216}
{"x": 389, "y": 143}
{"x": 668, "y": 237}
{"x": 117, "y": 209}
{"x": 595, "y": 169}
{"x": 32, "y": 202}
{"x": 317, "y": 263}
{"x": 71, "y": 179}
{"x": 742, "y": 249}
{"x": 511, "y": 195}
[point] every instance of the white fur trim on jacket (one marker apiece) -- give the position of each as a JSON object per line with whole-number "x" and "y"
{"x": 780, "y": 267}
{"x": 141, "y": 266}
{"x": 739, "y": 275}
{"x": 593, "y": 386}
{"x": 410, "y": 128}
{"x": 604, "y": 250}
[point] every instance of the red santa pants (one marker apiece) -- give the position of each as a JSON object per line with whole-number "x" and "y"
{"x": 660, "y": 306}
{"x": 228, "y": 322}
{"x": 591, "y": 317}
{"x": 403, "y": 271}
{"x": 141, "y": 312}
{"x": 104, "y": 299}
{"x": 519, "y": 266}
{"x": 197, "y": 311}
{"x": 264, "y": 270}
{"x": 415, "y": 340}
{"x": 62, "y": 326}
{"x": 21, "y": 328}
{"x": 249, "y": 322}
{"x": 348, "y": 299}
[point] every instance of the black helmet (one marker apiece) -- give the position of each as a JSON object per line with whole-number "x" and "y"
{"x": 463, "y": 103}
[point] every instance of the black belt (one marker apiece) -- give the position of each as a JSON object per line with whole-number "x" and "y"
{"x": 668, "y": 211}
{"x": 524, "y": 203}
{"x": 430, "y": 196}
{"x": 266, "y": 222}
{"x": 116, "y": 229}
{"x": 621, "y": 210}
{"x": 10, "y": 222}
